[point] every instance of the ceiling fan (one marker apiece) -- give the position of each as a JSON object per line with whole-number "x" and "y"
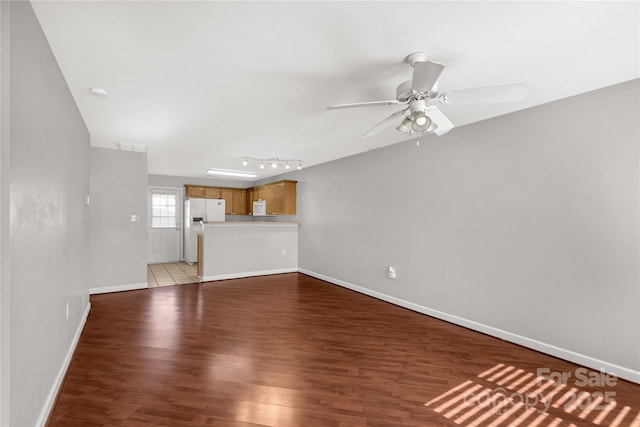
{"x": 420, "y": 116}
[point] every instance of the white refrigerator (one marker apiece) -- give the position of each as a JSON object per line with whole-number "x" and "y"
{"x": 197, "y": 211}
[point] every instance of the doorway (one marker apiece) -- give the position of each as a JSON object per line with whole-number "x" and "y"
{"x": 164, "y": 236}
{"x": 171, "y": 273}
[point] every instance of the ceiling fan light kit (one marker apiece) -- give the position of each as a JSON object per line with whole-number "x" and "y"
{"x": 419, "y": 116}
{"x": 423, "y": 122}
{"x": 406, "y": 126}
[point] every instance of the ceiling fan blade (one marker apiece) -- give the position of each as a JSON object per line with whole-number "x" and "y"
{"x": 505, "y": 93}
{"x": 443, "y": 124}
{"x": 363, "y": 104}
{"x": 378, "y": 128}
{"x": 425, "y": 75}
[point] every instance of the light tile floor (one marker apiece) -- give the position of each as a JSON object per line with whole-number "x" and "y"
{"x": 172, "y": 273}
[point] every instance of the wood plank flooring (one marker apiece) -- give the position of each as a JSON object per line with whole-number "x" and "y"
{"x": 290, "y": 350}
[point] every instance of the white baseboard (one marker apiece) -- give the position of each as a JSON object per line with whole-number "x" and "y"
{"x": 581, "y": 359}
{"x": 248, "y": 274}
{"x": 53, "y": 393}
{"x": 118, "y": 288}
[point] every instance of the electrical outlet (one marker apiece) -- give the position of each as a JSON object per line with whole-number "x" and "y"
{"x": 391, "y": 273}
{"x": 67, "y": 309}
{"x": 284, "y": 252}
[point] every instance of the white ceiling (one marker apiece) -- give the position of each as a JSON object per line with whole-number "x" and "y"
{"x": 205, "y": 83}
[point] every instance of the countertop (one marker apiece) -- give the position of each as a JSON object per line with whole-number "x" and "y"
{"x": 249, "y": 223}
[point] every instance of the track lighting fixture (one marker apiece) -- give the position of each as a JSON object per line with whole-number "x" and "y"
{"x": 274, "y": 162}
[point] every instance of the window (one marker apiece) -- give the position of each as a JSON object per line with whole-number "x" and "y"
{"x": 163, "y": 210}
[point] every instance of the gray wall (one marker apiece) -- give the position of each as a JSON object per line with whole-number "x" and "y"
{"x": 118, "y": 247}
{"x": 180, "y": 181}
{"x": 5, "y": 288}
{"x": 524, "y": 226}
{"x": 47, "y": 155}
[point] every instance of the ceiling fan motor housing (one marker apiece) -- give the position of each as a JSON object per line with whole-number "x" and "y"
{"x": 404, "y": 92}
{"x": 418, "y": 105}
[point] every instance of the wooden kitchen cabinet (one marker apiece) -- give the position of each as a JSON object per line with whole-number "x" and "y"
{"x": 227, "y": 195}
{"x": 284, "y": 193}
{"x": 202, "y": 191}
{"x": 277, "y": 199}
{"x": 280, "y": 197}
{"x": 235, "y": 201}
{"x": 269, "y": 196}
{"x": 239, "y": 202}
{"x": 212, "y": 192}
{"x": 200, "y": 255}
{"x": 194, "y": 190}
{"x": 235, "y": 198}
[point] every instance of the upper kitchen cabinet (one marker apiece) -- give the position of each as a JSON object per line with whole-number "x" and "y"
{"x": 194, "y": 190}
{"x": 285, "y": 197}
{"x": 212, "y": 193}
{"x": 251, "y": 197}
{"x": 239, "y": 202}
{"x": 227, "y": 195}
{"x": 202, "y": 191}
{"x": 235, "y": 200}
{"x": 269, "y": 196}
{"x": 280, "y": 197}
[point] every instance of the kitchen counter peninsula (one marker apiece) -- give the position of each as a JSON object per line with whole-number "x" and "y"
{"x": 229, "y": 250}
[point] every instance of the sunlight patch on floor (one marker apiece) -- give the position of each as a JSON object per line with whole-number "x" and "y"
{"x": 507, "y": 396}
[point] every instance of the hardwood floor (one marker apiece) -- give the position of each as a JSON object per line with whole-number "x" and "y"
{"x": 290, "y": 350}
